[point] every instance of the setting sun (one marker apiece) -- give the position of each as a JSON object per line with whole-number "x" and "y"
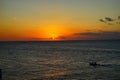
{"x": 54, "y": 32}
{"x": 53, "y": 36}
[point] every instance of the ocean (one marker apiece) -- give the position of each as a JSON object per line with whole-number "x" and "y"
{"x": 60, "y": 60}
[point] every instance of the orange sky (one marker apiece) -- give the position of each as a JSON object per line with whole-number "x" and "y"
{"x": 59, "y": 20}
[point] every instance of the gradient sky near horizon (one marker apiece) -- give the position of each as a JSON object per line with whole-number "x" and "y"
{"x": 59, "y": 19}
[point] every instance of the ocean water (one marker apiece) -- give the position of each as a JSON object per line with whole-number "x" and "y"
{"x": 65, "y": 60}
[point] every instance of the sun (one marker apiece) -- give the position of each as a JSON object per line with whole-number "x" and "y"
{"x": 51, "y": 32}
{"x": 53, "y": 36}
{"x": 54, "y": 32}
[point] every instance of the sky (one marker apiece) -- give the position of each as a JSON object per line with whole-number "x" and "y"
{"x": 30, "y": 20}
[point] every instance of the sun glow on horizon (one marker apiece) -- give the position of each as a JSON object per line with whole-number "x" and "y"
{"x": 54, "y": 32}
{"x": 53, "y": 36}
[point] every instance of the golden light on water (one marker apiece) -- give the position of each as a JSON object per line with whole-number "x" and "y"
{"x": 56, "y": 72}
{"x": 52, "y": 70}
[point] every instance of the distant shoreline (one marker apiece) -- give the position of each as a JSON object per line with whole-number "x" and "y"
{"x": 63, "y": 40}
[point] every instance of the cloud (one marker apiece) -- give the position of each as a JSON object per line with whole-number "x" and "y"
{"x": 38, "y": 39}
{"x": 101, "y": 20}
{"x": 118, "y": 17}
{"x": 100, "y": 35}
{"x": 109, "y": 19}
{"x": 61, "y": 37}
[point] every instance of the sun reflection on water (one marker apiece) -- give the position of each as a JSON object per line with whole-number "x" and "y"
{"x": 55, "y": 73}
{"x": 54, "y": 67}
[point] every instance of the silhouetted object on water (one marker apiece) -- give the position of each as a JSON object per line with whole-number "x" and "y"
{"x": 93, "y": 64}
{"x": 0, "y": 74}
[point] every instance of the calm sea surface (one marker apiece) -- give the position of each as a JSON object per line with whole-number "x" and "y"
{"x": 60, "y": 60}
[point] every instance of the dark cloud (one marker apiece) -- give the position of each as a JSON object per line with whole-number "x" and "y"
{"x": 100, "y": 35}
{"x": 108, "y": 19}
{"x": 38, "y": 39}
{"x": 101, "y": 20}
{"x": 86, "y": 33}
{"x": 118, "y": 20}
{"x": 118, "y": 17}
{"x": 61, "y": 37}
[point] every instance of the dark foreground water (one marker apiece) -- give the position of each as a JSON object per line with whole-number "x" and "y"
{"x": 60, "y": 60}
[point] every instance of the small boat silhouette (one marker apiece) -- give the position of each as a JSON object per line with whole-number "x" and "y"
{"x": 93, "y": 64}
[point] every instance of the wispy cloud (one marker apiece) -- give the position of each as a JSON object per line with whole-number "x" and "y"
{"x": 110, "y": 21}
{"x": 101, "y": 20}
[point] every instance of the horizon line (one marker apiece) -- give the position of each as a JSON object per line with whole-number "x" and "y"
{"x": 59, "y": 40}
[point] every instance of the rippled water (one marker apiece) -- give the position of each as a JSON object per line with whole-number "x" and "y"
{"x": 60, "y": 60}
